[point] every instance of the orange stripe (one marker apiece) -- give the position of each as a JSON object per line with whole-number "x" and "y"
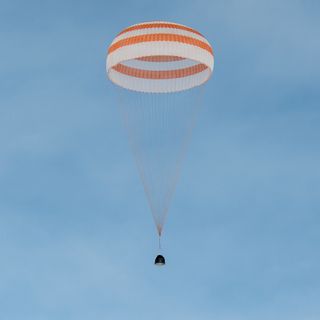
{"x": 160, "y": 58}
{"x": 159, "y": 37}
{"x": 163, "y": 74}
{"x": 159, "y": 25}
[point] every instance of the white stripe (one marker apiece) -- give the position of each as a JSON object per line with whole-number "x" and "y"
{"x": 156, "y": 85}
{"x": 158, "y": 48}
{"x": 140, "y": 32}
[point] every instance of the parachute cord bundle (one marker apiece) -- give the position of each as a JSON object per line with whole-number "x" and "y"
{"x": 159, "y": 128}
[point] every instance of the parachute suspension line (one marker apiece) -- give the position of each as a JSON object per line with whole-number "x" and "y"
{"x": 127, "y": 113}
{"x": 160, "y": 242}
{"x": 170, "y": 102}
{"x": 159, "y": 128}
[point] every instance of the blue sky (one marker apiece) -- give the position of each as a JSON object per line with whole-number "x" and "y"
{"x": 76, "y": 236}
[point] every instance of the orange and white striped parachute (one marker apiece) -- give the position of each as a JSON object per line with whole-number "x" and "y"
{"x": 159, "y": 57}
{"x": 158, "y": 67}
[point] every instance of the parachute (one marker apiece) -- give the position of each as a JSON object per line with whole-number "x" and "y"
{"x": 159, "y": 69}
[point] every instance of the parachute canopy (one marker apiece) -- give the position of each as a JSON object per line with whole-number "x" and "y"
{"x": 159, "y": 57}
